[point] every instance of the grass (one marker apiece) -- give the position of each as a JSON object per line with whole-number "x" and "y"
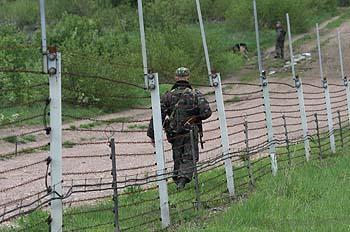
{"x": 138, "y": 126}
{"x": 21, "y": 140}
{"x": 298, "y": 198}
{"x": 15, "y": 114}
{"x": 344, "y": 17}
{"x": 312, "y": 198}
{"x": 90, "y": 125}
{"x": 233, "y": 100}
{"x": 68, "y": 144}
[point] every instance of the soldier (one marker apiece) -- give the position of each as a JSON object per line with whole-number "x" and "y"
{"x": 183, "y": 108}
{"x": 280, "y": 36}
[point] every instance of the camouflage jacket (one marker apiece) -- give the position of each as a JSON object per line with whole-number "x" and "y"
{"x": 197, "y": 110}
{"x": 280, "y": 34}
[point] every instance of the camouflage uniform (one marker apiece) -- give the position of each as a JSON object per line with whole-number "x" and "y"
{"x": 280, "y": 36}
{"x": 180, "y": 105}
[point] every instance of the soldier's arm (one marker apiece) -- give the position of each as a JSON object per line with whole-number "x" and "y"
{"x": 164, "y": 104}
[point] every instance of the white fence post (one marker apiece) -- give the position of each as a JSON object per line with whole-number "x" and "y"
{"x": 299, "y": 87}
{"x": 153, "y": 86}
{"x": 43, "y": 34}
{"x": 54, "y": 70}
{"x": 215, "y": 81}
{"x": 345, "y": 79}
{"x": 266, "y": 95}
{"x": 143, "y": 42}
{"x": 326, "y": 93}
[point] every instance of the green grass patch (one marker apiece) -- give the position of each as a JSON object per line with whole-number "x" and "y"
{"x": 68, "y": 144}
{"x": 249, "y": 77}
{"x": 90, "y": 125}
{"x": 21, "y": 140}
{"x": 344, "y": 17}
{"x": 233, "y": 100}
{"x": 17, "y": 113}
{"x": 311, "y": 198}
{"x": 138, "y": 126}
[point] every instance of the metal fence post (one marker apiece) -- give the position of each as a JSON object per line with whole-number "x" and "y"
{"x": 114, "y": 185}
{"x": 153, "y": 86}
{"x": 326, "y": 93}
{"x": 340, "y": 129}
{"x": 143, "y": 41}
{"x": 43, "y": 34}
{"x": 287, "y": 140}
{"x": 204, "y": 40}
{"x": 299, "y": 87}
{"x": 196, "y": 181}
{"x": 266, "y": 96}
{"x": 318, "y": 136}
{"x": 248, "y": 158}
{"x": 345, "y": 79}
{"x": 215, "y": 81}
{"x": 268, "y": 115}
{"x": 257, "y": 37}
{"x": 54, "y": 70}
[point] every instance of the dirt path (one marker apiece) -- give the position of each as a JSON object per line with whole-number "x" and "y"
{"x": 89, "y": 162}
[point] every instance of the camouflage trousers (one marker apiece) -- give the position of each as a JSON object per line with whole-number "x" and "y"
{"x": 182, "y": 156}
{"x": 280, "y": 49}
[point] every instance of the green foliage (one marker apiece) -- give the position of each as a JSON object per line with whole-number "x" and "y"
{"x": 21, "y": 12}
{"x": 301, "y": 12}
{"x": 100, "y": 38}
{"x": 336, "y": 23}
{"x": 14, "y": 58}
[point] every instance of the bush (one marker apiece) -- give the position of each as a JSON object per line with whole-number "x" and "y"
{"x": 301, "y": 13}
{"x": 100, "y": 38}
{"x": 20, "y": 12}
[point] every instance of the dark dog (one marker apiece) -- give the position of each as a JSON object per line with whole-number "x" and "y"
{"x": 241, "y": 48}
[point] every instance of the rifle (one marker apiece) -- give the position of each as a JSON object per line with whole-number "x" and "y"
{"x": 198, "y": 122}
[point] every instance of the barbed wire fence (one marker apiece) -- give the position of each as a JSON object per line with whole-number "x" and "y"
{"x": 258, "y": 128}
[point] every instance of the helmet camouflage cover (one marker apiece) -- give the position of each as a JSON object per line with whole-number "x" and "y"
{"x": 182, "y": 72}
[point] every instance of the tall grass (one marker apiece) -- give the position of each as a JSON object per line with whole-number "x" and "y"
{"x": 315, "y": 197}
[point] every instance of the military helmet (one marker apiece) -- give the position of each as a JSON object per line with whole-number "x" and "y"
{"x": 182, "y": 72}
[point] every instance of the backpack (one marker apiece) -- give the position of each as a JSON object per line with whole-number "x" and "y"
{"x": 184, "y": 106}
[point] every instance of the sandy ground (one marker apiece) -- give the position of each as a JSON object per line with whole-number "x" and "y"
{"x": 22, "y": 178}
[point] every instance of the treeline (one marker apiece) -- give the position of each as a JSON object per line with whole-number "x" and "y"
{"x": 101, "y": 38}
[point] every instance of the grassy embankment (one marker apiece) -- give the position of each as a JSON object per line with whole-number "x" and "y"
{"x": 300, "y": 197}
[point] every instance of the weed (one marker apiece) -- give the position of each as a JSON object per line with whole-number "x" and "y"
{"x": 233, "y": 100}
{"x": 138, "y": 126}
{"x": 20, "y": 140}
{"x": 73, "y": 127}
{"x": 68, "y": 144}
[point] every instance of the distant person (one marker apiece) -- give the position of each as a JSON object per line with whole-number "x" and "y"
{"x": 280, "y": 36}
{"x": 183, "y": 109}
